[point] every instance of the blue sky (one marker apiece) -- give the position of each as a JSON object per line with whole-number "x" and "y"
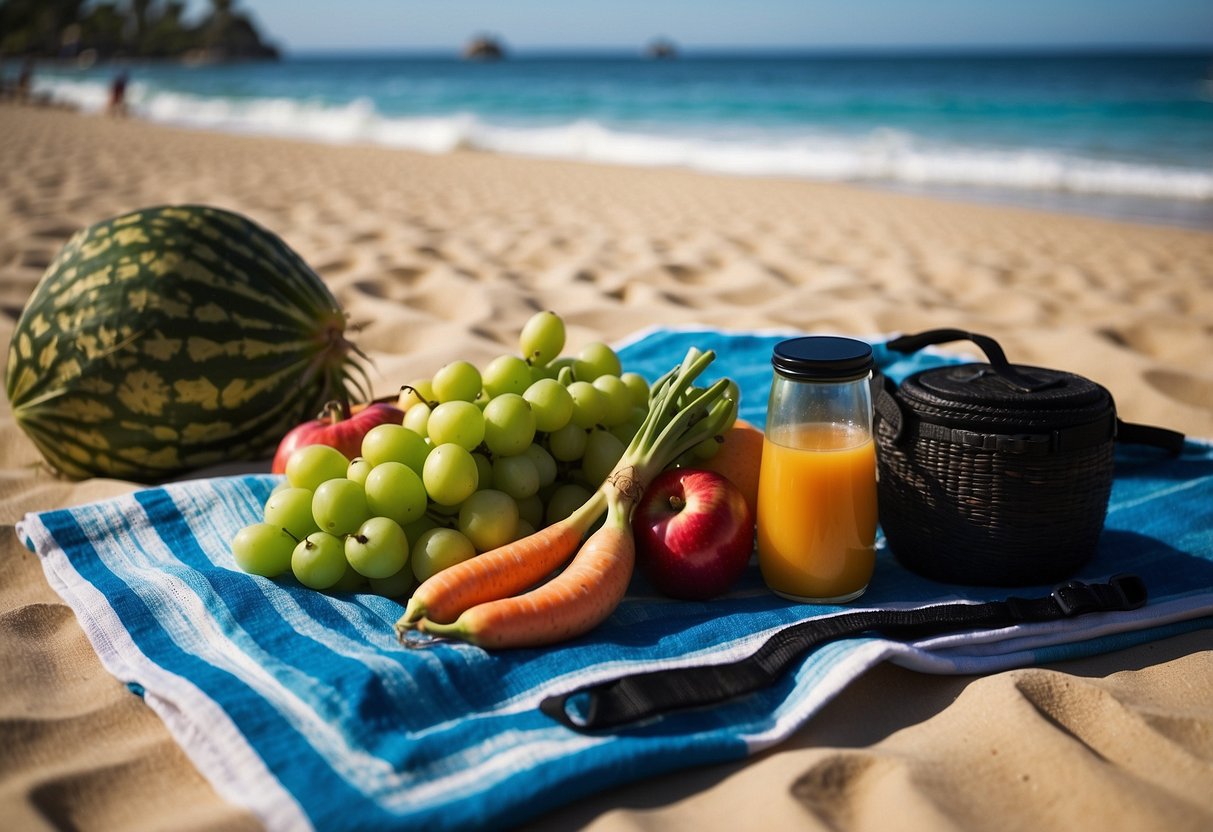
{"x": 302, "y": 25}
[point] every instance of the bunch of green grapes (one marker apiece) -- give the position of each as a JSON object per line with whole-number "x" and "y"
{"x": 484, "y": 456}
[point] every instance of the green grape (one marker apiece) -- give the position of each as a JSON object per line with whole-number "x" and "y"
{"x": 628, "y": 429}
{"x": 313, "y": 464}
{"x": 378, "y": 548}
{"x": 263, "y": 549}
{"x": 395, "y": 490}
{"x": 350, "y": 581}
{"x": 551, "y": 403}
{"x": 483, "y": 469}
{"x": 396, "y": 443}
{"x": 545, "y": 465}
{"x": 602, "y": 450}
{"x": 596, "y": 359}
{"x": 359, "y": 468}
{"x": 589, "y": 405}
{"x": 318, "y": 561}
{"x": 638, "y": 387}
{"x": 439, "y": 510}
{"x": 561, "y": 370}
{"x": 509, "y": 424}
{"x": 523, "y": 529}
{"x": 339, "y": 506}
{"x": 415, "y": 392}
{"x": 450, "y": 474}
{"x": 618, "y": 399}
{"x": 291, "y": 509}
{"x": 459, "y": 422}
{"x": 516, "y": 475}
{"x": 568, "y": 443}
{"x": 395, "y": 586}
{"x": 419, "y": 526}
{"x": 488, "y": 519}
{"x": 564, "y": 501}
{"x": 439, "y": 549}
{"x": 506, "y": 374}
{"x": 457, "y": 381}
{"x": 539, "y": 373}
{"x": 416, "y": 419}
{"x": 530, "y": 509}
{"x": 542, "y": 338}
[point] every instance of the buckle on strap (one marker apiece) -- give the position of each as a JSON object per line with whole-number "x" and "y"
{"x": 1120, "y": 593}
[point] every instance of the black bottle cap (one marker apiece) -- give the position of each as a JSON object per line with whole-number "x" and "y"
{"x": 822, "y": 358}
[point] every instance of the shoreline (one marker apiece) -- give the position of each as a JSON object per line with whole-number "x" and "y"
{"x": 1195, "y": 216}
{"x": 1119, "y": 209}
{"x": 1152, "y": 210}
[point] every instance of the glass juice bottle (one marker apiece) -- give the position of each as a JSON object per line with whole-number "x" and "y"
{"x": 817, "y": 483}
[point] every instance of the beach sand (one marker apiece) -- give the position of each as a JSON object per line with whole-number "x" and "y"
{"x": 438, "y": 257}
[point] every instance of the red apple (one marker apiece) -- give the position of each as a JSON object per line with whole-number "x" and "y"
{"x": 337, "y": 427}
{"x": 694, "y": 533}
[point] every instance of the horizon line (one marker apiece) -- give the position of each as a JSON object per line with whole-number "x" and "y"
{"x": 821, "y": 49}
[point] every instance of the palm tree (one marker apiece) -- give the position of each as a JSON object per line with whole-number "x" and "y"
{"x": 140, "y": 7}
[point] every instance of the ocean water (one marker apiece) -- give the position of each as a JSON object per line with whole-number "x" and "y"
{"x": 1123, "y": 134}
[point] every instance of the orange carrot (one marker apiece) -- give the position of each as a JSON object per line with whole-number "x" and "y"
{"x": 501, "y": 572}
{"x": 572, "y": 603}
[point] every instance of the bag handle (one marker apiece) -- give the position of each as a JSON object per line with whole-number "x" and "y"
{"x": 629, "y": 699}
{"x": 1126, "y": 432}
{"x": 1018, "y": 381}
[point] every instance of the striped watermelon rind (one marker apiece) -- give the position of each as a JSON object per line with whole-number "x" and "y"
{"x": 173, "y": 338}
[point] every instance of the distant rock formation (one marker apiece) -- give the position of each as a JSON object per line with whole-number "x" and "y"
{"x": 661, "y": 49}
{"x": 483, "y": 48}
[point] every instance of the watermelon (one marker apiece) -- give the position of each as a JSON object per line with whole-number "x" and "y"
{"x": 174, "y": 338}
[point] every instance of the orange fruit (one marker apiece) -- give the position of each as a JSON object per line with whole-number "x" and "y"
{"x": 738, "y": 459}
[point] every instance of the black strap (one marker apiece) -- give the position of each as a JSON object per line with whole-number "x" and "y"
{"x": 1131, "y": 433}
{"x": 1061, "y": 440}
{"x": 629, "y": 699}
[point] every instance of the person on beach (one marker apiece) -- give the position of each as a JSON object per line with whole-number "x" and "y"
{"x": 117, "y": 102}
{"x": 25, "y": 80}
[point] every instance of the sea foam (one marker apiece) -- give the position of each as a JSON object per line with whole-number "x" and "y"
{"x": 879, "y": 156}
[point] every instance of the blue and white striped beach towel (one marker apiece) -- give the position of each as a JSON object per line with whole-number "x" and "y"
{"x": 304, "y": 709}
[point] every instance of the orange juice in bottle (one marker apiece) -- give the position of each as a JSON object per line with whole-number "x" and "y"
{"x": 817, "y": 483}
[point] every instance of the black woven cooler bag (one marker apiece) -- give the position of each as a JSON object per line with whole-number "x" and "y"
{"x": 996, "y": 474}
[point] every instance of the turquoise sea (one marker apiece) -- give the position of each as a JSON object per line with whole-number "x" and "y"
{"x": 1126, "y": 134}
